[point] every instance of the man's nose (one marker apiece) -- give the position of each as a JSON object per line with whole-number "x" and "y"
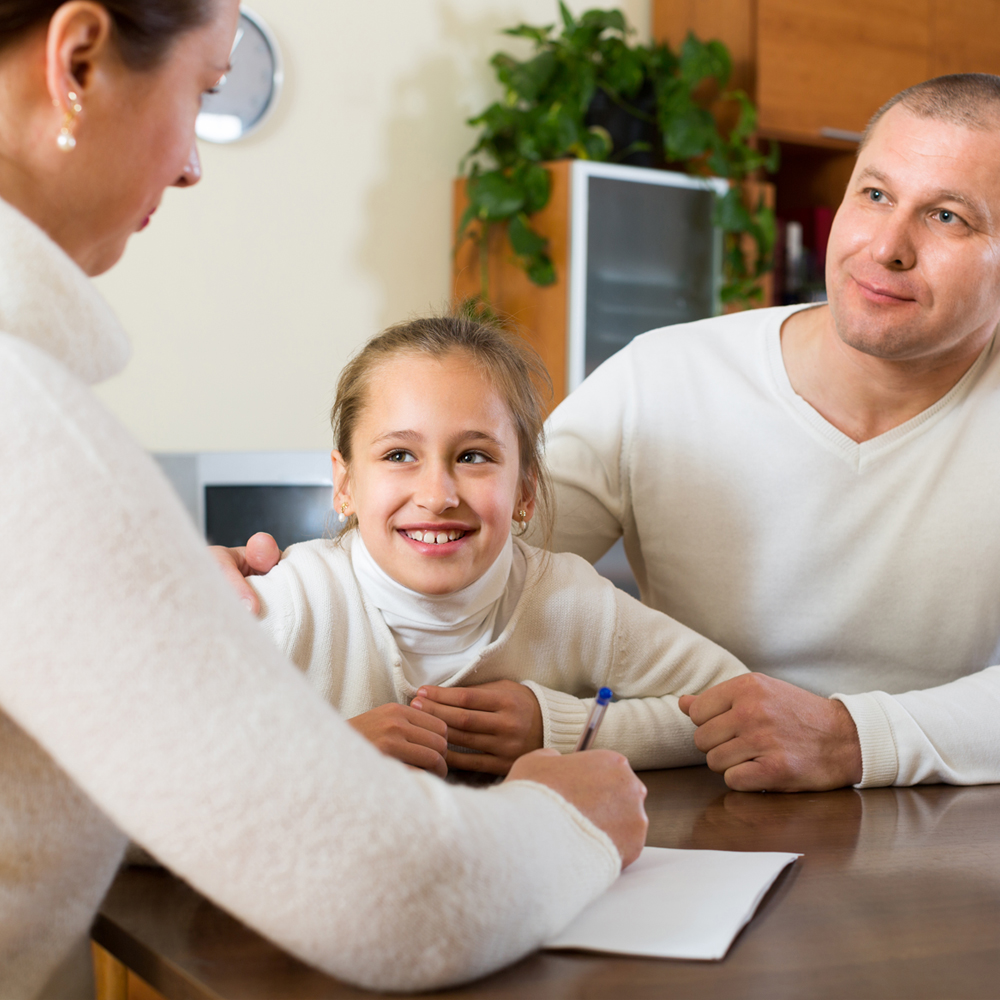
{"x": 893, "y": 245}
{"x": 191, "y": 173}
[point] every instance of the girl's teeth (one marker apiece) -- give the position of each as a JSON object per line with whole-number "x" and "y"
{"x": 435, "y": 538}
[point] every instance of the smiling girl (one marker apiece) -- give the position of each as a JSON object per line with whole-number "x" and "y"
{"x": 446, "y": 640}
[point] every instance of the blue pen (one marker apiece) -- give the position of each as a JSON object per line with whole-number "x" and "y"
{"x": 589, "y": 733}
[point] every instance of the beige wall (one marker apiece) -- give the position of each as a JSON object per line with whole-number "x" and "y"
{"x": 246, "y": 295}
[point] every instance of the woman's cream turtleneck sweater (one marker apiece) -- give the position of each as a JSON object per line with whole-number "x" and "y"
{"x": 138, "y": 699}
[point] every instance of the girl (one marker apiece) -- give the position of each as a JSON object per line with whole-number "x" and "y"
{"x": 444, "y": 639}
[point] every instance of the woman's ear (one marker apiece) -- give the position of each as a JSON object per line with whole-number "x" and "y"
{"x": 341, "y": 482}
{"x": 79, "y": 37}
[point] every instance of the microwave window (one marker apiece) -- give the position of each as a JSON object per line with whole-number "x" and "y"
{"x": 290, "y": 513}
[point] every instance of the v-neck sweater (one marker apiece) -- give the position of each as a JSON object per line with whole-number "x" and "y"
{"x": 869, "y": 572}
{"x": 138, "y": 699}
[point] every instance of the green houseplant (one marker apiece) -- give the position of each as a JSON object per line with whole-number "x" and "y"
{"x": 586, "y": 92}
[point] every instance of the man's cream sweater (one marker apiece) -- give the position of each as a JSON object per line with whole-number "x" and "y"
{"x": 869, "y": 569}
{"x": 569, "y": 633}
{"x": 138, "y": 699}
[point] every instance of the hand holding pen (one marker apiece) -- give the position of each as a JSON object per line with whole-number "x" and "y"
{"x": 589, "y": 733}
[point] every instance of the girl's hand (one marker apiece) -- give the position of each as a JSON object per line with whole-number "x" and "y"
{"x": 502, "y": 720}
{"x": 399, "y": 731}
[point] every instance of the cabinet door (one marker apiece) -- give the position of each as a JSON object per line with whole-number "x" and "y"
{"x": 965, "y": 36}
{"x": 824, "y": 68}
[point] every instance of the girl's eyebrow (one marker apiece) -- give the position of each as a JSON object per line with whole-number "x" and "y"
{"x": 470, "y": 435}
{"x": 398, "y": 436}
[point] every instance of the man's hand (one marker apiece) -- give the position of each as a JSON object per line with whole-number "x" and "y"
{"x": 601, "y": 784}
{"x": 500, "y": 719}
{"x": 768, "y": 735}
{"x": 256, "y": 558}
{"x": 402, "y": 732}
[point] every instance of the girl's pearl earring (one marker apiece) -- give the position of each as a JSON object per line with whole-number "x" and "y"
{"x": 522, "y": 516}
{"x": 342, "y": 516}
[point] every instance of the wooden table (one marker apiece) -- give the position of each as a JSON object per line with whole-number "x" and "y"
{"x": 897, "y": 896}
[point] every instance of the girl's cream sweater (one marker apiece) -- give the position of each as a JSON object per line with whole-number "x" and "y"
{"x": 570, "y": 633}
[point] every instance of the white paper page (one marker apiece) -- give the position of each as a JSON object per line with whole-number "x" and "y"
{"x": 676, "y": 904}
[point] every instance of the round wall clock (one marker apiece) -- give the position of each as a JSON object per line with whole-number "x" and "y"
{"x": 247, "y": 94}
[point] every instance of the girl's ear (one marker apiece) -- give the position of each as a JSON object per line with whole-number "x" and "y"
{"x": 526, "y": 500}
{"x": 341, "y": 482}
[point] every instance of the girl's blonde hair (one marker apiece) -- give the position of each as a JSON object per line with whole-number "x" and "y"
{"x": 514, "y": 370}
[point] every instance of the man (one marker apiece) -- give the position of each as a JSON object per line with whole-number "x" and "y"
{"x": 814, "y": 488}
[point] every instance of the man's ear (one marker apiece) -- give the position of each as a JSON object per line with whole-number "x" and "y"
{"x": 341, "y": 481}
{"x": 80, "y": 35}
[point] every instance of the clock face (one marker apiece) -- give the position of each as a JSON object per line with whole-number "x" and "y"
{"x": 248, "y": 93}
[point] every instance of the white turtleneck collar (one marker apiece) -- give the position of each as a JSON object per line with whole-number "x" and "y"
{"x": 437, "y": 634}
{"x": 46, "y": 299}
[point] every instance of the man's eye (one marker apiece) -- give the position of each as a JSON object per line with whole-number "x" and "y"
{"x": 875, "y": 194}
{"x": 945, "y": 216}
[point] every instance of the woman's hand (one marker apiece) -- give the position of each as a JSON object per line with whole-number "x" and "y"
{"x": 399, "y": 731}
{"x": 257, "y": 557}
{"x": 601, "y": 784}
{"x": 502, "y": 720}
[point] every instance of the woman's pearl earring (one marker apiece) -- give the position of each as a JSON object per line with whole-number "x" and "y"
{"x": 66, "y": 141}
{"x": 342, "y": 516}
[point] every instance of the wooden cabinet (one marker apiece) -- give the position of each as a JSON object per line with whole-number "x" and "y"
{"x": 823, "y": 69}
{"x": 819, "y": 70}
{"x": 638, "y": 261}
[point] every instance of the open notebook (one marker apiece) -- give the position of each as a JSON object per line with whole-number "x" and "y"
{"x": 676, "y": 904}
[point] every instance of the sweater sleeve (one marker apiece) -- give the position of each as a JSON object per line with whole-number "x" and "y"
{"x": 586, "y": 450}
{"x": 648, "y": 659}
{"x": 943, "y": 734}
{"x": 128, "y": 660}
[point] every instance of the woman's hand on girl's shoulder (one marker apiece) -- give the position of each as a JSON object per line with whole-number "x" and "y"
{"x": 259, "y": 556}
{"x": 409, "y": 735}
{"x": 500, "y": 720}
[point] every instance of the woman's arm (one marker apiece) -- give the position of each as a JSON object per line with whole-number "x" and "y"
{"x": 128, "y": 660}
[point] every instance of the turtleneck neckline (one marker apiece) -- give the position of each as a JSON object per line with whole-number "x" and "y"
{"x": 47, "y": 300}
{"x": 436, "y": 633}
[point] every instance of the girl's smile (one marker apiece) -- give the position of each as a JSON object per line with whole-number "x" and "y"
{"x": 435, "y": 476}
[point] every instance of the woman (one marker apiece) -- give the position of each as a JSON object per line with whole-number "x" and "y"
{"x": 136, "y": 699}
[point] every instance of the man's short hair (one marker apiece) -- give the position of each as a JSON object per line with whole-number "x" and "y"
{"x": 971, "y": 100}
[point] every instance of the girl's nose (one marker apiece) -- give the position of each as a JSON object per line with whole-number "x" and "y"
{"x": 437, "y": 492}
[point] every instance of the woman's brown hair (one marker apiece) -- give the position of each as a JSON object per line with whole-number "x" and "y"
{"x": 144, "y": 29}
{"x": 514, "y": 370}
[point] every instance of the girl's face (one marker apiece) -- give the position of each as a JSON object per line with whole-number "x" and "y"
{"x": 435, "y": 473}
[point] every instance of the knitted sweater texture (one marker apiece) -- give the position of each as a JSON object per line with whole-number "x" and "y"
{"x": 137, "y": 699}
{"x": 570, "y": 633}
{"x": 865, "y": 571}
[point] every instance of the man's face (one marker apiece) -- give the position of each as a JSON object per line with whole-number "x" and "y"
{"x": 913, "y": 264}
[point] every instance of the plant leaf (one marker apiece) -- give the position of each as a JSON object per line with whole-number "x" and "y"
{"x": 495, "y": 197}
{"x": 523, "y": 239}
{"x": 535, "y": 184}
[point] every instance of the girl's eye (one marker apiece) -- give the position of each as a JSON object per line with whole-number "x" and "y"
{"x": 472, "y": 458}
{"x": 399, "y": 455}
